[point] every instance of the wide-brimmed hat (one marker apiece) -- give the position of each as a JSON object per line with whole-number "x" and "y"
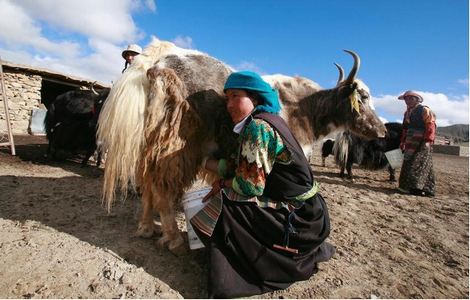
{"x": 411, "y": 94}
{"x": 247, "y": 80}
{"x": 134, "y": 48}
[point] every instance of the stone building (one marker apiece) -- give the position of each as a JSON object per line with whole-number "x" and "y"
{"x": 28, "y": 87}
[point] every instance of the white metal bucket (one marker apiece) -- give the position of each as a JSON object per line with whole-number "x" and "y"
{"x": 192, "y": 203}
{"x": 395, "y": 158}
{"x": 36, "y": 126}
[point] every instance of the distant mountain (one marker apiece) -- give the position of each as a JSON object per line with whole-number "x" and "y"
{"x": 458, "y": 132}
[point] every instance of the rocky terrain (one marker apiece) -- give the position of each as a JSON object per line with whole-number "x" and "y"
{"x": 58, "y": 241}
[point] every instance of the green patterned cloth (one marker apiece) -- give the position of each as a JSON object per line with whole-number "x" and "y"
{"x": 260, "y": 147}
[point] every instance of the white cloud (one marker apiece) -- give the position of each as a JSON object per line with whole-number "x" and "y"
{"x": 463, "y": 82}
{"x": 150, "y": 4}
{"x": 105, "y": 19}
{"x": 81, "y": 38}
{"x": 21, "y": 26}
{"x": 449, "y": 110}
{"x": 383, "y": 119}
{"x": 249, "y": 66}
{"x": 104, "y": 64}
{"x": 183, "y": 42}
{"x": 23, "y": 31}
{"x": 139, "y": 5}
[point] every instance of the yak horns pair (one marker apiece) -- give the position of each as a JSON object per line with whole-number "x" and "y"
{"x": 92, "y": 89}
{"x": 355, "y": 68}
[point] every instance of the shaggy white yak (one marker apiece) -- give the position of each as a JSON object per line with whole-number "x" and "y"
{"x": 167, "y": 111}
{"x": 121, "y": 123}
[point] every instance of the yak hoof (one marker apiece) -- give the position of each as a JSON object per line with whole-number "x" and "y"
{"x": 178, "y": 246}
{"x": 145, "y": 230}
{"x": 162, "y": 242}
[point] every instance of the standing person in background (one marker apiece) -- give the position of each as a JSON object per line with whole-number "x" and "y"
{"x": 419, "y": 130}
{"x": 265, "y": 223}
{"x": 129, "y": 54}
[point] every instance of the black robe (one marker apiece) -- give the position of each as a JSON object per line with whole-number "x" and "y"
{"x": 243, "y": 261}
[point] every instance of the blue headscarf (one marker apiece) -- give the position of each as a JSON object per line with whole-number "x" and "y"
{"x": 251, "y": 81}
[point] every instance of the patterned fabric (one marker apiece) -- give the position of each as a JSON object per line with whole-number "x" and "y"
{"x": 419, "y": 118}
{"x": 206, "y": 219}
{"x": 417, "y": 171}
{"x": 413, "y": 141}
{"x": 260, "y": 147}
{"x": 429, "y": 119}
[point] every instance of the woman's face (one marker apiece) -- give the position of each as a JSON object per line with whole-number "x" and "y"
{"x": 239, "y": 105}
{"x": 130, "y": 57}
{"x": 411, "y": 101}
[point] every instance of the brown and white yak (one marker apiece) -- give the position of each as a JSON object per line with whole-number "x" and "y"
{"x": 167, "y": 112}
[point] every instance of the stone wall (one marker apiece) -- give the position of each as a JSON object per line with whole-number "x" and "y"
{"x": 23, "y": 92}
{"x": 450, "y": 150}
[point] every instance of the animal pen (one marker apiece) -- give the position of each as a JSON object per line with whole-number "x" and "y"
{"x": 26, "y": 92}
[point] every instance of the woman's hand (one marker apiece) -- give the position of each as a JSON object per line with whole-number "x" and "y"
{"x": 210, "y": 164}
{"x": 216, "y": 187}
{"x": 402, "y": 147}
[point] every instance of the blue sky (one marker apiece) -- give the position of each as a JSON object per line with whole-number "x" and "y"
{"x": 403, "y": 44}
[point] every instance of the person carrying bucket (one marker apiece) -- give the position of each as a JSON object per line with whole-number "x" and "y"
{"x": 419, "y": 131}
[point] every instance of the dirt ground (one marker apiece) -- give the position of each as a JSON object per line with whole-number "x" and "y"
{"x": 57, "y": 240}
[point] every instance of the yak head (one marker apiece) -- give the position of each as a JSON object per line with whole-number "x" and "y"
{"x": 360, "y": 114}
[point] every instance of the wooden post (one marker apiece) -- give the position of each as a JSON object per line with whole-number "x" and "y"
{"x": 10, "y": 142}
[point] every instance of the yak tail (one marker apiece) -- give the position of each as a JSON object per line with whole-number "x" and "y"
{"x": 120, "y": 131}
{"x": 121, "y": 122}
{"x": 169, "y": 119}
{"x": 341, "y": 148}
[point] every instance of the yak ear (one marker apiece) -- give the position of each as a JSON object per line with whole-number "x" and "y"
{"x": 345, "y": 90}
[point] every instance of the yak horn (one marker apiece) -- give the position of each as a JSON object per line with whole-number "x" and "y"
{"x": 92, "y": 89}
{"x": 341, "y": 74}
{"x": 355, "y": 68}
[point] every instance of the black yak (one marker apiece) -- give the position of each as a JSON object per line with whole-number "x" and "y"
{"x": 71, "y": 122}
